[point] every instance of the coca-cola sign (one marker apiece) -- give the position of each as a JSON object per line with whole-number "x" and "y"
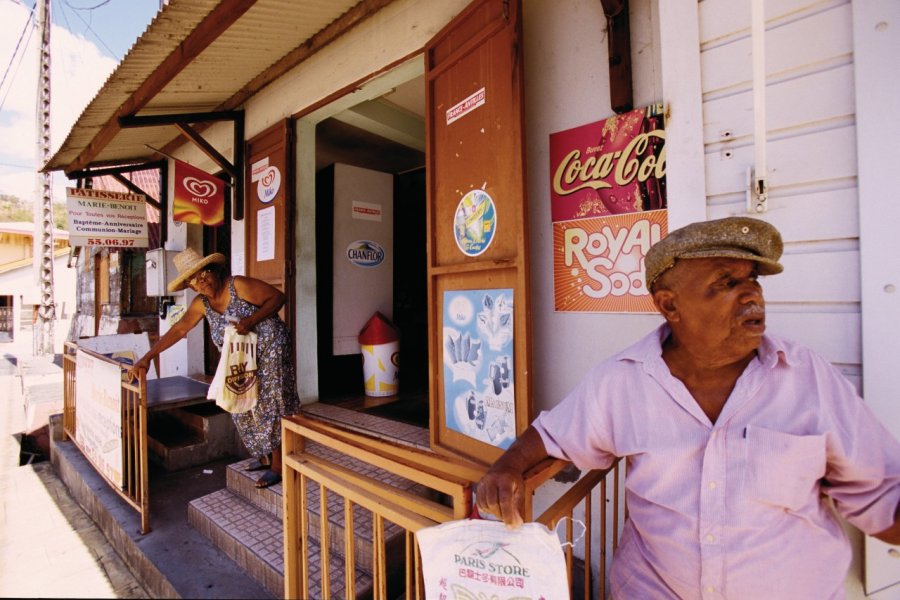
{"x": 609, "y": 167}
{"x": 608, "y": 205}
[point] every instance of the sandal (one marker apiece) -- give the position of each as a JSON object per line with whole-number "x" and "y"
{"x": 257, "y": 465}
{"x": 268, "y": 478}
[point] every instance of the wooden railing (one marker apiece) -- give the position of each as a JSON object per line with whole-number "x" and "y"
{"x": 135, "y": 485}
{"x": 401, "y": 489}
{"x": 591, "y": 504}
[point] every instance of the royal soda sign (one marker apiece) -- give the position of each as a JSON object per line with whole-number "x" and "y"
{"x": 608, "y": 205}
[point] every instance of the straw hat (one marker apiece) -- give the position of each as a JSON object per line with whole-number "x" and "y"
{"x": 188, "y": 263}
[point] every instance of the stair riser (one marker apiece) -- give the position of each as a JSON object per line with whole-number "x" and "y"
{"x": 262, "y": 571}
{"x": 242, "y": 484}
{"x": 231, "y": 524}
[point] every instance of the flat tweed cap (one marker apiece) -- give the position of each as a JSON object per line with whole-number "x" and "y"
{"x": 732, "y": 237}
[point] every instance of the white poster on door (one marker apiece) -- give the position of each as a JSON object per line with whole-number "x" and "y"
{"x": 265, "y": 234}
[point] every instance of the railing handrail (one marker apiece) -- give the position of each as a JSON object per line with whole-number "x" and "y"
{"x": 433, "y": 463}
{"x": 409, "y": 510}
{"x": 573, "y": 496}
{"x": 133, "y": 397}
{"x": 434, "y": 511}
{"x": 397, "y": 514}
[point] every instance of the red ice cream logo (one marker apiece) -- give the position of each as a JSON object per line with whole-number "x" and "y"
{"x": 199, "y": 187}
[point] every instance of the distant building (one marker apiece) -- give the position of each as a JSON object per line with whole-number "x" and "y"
{"x": 19, "y": 287}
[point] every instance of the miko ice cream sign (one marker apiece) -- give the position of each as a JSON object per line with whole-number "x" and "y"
{"x": 608, "y": 205}
{"x": 479, "y": 391}
{"x": 199, "y": 196}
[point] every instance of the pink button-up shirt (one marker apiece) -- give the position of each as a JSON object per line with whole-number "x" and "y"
{"x": 737, "y": 508}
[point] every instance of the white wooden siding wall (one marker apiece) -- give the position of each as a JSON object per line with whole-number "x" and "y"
{"x": 811, "y": 159}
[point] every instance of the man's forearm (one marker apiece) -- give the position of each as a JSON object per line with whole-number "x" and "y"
{"x": 891, "y": 535}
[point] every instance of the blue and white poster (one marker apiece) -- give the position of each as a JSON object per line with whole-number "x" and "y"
{"x": 479, "y": 391}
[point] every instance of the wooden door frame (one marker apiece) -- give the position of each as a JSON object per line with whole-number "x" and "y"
{"x": 288, "y": 187}
{"x": 496, "y": 268}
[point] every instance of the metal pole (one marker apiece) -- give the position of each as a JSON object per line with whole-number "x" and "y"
{"x": 43, "y": 219}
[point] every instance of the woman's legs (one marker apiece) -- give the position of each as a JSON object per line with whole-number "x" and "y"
{"x": 275, "y": 460}
{"x": 273, "y": 474}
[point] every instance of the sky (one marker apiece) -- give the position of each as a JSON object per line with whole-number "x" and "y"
{"x": 88, "y": 40}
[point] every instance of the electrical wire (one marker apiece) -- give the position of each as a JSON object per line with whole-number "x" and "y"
{"x": 87, "y": 25}
{"x": 29, "y": 22}
{"x": 105, "y": 2}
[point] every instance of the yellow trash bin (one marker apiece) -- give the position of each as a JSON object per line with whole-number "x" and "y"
{"x": 380, "y": 348}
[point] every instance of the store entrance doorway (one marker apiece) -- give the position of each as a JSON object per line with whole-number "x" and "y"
{"x": 370, "y": 193}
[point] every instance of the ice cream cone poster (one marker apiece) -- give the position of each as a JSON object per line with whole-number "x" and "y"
{"x": 479, "y": 391}
{"x": 199, "y": 196}
{"x": 475, "y": 222}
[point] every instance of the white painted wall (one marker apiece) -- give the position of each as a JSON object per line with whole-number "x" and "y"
{"x": 20, "y": 284}
{"x": 876, "y": 44}
{"x": 815, "y": 105}
{"x": 811, "y": 155}
{"x": 186, "y": 357}
{"x": 566, "y": 85}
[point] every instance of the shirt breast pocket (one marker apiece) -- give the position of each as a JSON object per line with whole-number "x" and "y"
{"x": 784, "y": 469}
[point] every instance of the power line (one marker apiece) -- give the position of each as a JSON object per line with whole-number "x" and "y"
{"x": 88, "y": 25}
{"x": 89, "y": 8}
{"x": 28, "y": 22}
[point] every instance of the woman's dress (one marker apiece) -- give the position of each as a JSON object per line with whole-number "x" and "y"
{"x": 260, "y": 428}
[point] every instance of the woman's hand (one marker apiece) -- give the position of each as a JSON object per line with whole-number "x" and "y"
{"x": 244, "y": 326}
{"x": 134, "y": 371}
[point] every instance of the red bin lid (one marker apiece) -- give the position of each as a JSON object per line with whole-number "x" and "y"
{"x": 378, "y": 330}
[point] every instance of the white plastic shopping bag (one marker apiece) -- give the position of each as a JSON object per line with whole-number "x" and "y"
{"x": 475, "y": 558}
{"x": 235, "y": 386}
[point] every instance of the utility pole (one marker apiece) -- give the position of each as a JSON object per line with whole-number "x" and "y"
{"x": 43, "y": 206}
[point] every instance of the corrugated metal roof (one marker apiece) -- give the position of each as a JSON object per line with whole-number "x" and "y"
{"x": 263, "y": 34}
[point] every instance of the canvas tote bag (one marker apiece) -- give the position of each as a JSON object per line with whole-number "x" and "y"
{"x": 235, "y": 386}
{"x": 476, "y": 558}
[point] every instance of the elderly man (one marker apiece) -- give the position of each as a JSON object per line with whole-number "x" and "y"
{"x": 737, "y": 442}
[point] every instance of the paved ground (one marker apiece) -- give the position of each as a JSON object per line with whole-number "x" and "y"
{"x": 49, "y": 547}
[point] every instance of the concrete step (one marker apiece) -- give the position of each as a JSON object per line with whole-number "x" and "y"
{"x": 190, "y": 436}
{"x": 253, "y": 538}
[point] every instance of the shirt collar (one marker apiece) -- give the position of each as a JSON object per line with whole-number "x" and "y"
{"x": 648, "y": 350}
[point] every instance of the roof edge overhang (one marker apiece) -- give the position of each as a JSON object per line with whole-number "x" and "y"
{"x": 211, "y": 19}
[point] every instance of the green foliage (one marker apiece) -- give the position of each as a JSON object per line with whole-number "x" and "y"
{"x": 13, "y": 208}
{"x": 59, "y": 215}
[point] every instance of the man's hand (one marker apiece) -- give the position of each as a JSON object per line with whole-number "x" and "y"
{"x": 501, "y": 491}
